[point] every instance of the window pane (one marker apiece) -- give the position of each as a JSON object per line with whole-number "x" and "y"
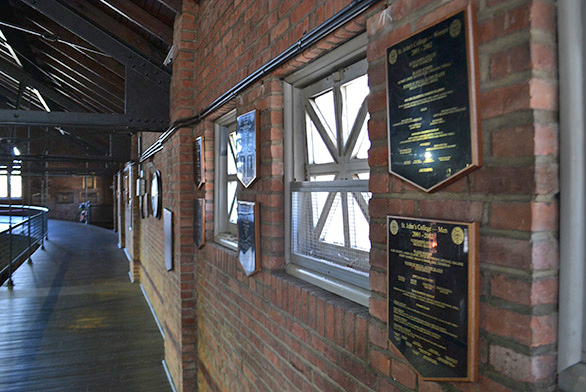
{"x": 232, "y": 212}
{"x": 16, "y": 186}
{"x": 232, "y": 154}
{"x": 362, "y": 143}
{"x": 323, "y": 177}
{"x": 322, "y": 237}
{"x": 324, "y": 105}
{"x": 317, "y": 151}
{"x": 353, "y": 94}
{"x": 318, "y": 202}
{"x": 333, "y": 231}
{"x": 359, "y": 227}
{"x": 3, "y": 186}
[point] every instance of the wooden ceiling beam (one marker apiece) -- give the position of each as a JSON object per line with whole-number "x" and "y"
{"x": 122, "y": 32}
{"x": 87, "y": 93}
{"x": 98, "y": 28}
{"x": 101, "y": 62}
{"x": 174, "y": 5}
{"x": 97, "y": 84}
{"x": 142, "y": 18}
{"x": 82, "y": 64}
{"x": 47, "y": 92}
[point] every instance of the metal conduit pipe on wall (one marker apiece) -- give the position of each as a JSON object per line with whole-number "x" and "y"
{"x": 329, "y": 26}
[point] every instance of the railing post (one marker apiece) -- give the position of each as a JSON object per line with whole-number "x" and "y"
{"x": 30, "y": 260}
{"x": 10, "y": 282}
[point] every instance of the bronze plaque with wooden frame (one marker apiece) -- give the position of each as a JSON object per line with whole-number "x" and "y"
{"x": 433, "y": 296}
{"x": 199, "y": 232}
{"x": 247, "y": 147}
{"x": 249, "y": 237}
{"x": 199, "y": 162}
{"x": 432, "y": 98}
{"x": 168, "y": 238}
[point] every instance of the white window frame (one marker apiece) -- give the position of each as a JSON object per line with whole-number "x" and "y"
{"x": 572, "y": 298}
{"x": 353, "y": 286}
{"x": 224, "y": 234}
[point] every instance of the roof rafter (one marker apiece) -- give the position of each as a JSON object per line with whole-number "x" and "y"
{"x": 100, "y": 38}
{"x": 140, "y": 17}
{"x": 48, "y": 92}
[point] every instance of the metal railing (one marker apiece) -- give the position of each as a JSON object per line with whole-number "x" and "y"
{"x": 22, "y": 228}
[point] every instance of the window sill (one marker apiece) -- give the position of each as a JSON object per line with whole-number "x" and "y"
{"x": 343, "y": 289}
{"x": 227, "y": 240}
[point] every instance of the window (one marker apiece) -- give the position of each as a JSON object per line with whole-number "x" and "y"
{"x": 327, "y": 179}
{"x": 225, "y": 196}
{"x": 11, "y": 170}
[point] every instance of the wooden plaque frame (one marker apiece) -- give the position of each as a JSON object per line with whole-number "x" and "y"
{"x": 394, "y": 225}
{"x": 156, "y": 195}
{"x": 247, "y": 151}
{"x": 199, "y": 162}
{"x": 473, "y": 99}
{"x": 245, "y": 244}
{"x": 199, "y": 232}
{"x": 168, "y": 232}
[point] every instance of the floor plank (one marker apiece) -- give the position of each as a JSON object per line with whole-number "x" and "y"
{"x": 74, "y": 322}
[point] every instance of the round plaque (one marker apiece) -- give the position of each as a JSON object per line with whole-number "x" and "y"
{"x": 156, "y": 195}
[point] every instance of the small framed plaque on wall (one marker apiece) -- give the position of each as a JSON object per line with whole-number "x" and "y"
{"x": 168, "y": 232}
{"x": 432, "y": 96}
{"x": 248, "y": 236}
{"x": 199, "y": 162}
{"x": 433, "y": 296}
{"x": 247, "y": 159}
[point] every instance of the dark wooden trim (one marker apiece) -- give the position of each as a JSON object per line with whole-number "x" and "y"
{"x": 473, "y": 298}
{"x": 473, "y": 93}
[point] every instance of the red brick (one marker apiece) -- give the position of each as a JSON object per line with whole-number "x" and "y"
{"x": 380, "y": 362}
{"x": 511, "y": 289}
{"x": 404, "y": 374}
{"x": 544, "y": 94}
{"x": 511, "y": 216}
{"x": 546, "y": 140}
{"x": 504, "y": 23}
{"x": 520, "y": 367}
{"x": 378, "y": 308}
{"x": 543, "y": 330}
{"x": 510, "y": 61}
{"x": 503, "y": 100}
{"x": 506, "y": 180}
{"x": 546, "y": 179}
{"x": 403, "y": 8}
{"x": 378, "y": 335}
{"x": 544, "y": 292}
{"x": 378, "y": 282}
{"x": 506, "y": 323}
{"x": 506, "y": 252}
{"x": 427, "y": 386}
{"x": 544, "y": 216}
{"x": 451, "y": 210}
{"x": 513, "y": 142}
{"x": 543, "y": 16}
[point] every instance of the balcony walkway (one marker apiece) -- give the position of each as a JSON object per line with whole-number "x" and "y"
{"x": 74, "y": 322}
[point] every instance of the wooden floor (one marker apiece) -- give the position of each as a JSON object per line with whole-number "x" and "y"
{"x": 74, "y": 322}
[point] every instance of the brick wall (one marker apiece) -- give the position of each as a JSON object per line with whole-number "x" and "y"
{"x": 272, "y": 332}
{"x": 172, "y": 293}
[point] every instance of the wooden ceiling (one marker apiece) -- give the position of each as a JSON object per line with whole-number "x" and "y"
{"x": 84, "y": 67}
{"x": 85, "y": 78}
